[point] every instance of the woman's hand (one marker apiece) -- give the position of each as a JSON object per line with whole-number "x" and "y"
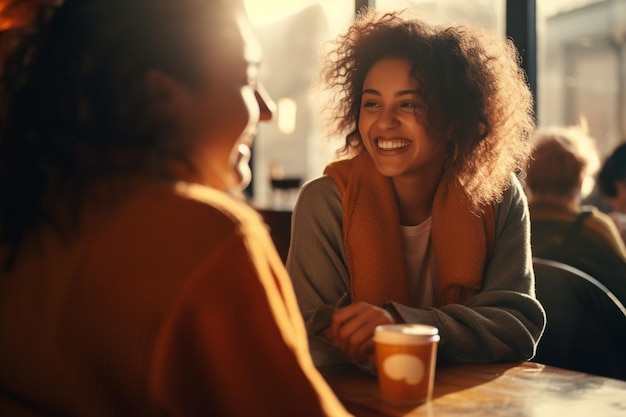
{"x": 352, "y": 330}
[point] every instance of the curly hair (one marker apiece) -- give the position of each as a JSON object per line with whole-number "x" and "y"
{"x": 477, "y": 99}
{"x": 75, "y": 103}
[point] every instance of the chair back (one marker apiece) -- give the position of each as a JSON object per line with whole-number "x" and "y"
{"x": 586, "y": 323}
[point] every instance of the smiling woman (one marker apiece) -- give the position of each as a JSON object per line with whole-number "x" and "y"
{"x": 418, "y": 221}
{"x": 391, "y": 99}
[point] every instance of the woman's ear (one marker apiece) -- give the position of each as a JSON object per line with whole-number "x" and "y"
{"x": 168, "y": 95}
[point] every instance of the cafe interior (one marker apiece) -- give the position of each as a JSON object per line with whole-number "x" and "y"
{"x": 573, "y": 53}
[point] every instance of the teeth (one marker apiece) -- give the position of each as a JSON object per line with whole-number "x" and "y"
{"x": 392, "y": 144}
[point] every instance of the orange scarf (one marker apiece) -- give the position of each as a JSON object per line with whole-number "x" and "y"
{"x": 461, "y": 240}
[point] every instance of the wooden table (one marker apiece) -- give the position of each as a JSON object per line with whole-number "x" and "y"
{"x": 524, "y": 389}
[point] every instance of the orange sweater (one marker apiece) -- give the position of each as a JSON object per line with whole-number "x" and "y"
{"x": 373, "y": 240}
{"x": 174, "y": 302}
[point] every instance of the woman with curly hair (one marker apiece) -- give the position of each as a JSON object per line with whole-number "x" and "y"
{"x": 423, "y": 220}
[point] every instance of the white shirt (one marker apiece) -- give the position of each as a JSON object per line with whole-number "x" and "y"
{"x": 419, "y": 264}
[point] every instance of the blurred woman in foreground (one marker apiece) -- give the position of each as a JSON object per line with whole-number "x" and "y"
{"x": 132, "y": 282}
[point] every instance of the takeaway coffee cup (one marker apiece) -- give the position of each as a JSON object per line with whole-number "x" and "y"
{"x": 406, "y": 355}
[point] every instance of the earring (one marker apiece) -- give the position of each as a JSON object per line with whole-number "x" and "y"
{"x": 453, "y": 149}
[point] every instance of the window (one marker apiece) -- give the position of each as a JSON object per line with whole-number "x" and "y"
{"x": 489, "y": 14}
{"x": 582, "y": 66}
{"x": 290, "y": 150}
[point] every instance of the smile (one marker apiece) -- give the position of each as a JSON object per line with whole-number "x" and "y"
{"x": 392, "y": 144}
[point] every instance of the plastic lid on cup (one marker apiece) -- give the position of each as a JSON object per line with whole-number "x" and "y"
{"x": 396, "y": 334}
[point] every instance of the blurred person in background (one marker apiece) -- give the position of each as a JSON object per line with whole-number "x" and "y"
{"x": 612, "y": 184}
{"x": 560, "y": 174}
{"x": 133, "y": 283}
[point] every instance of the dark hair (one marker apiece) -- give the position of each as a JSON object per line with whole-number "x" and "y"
{"x": 75, "y": 105}
{"x": 614, "y": 169}
{"x": 475, "y": 93}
